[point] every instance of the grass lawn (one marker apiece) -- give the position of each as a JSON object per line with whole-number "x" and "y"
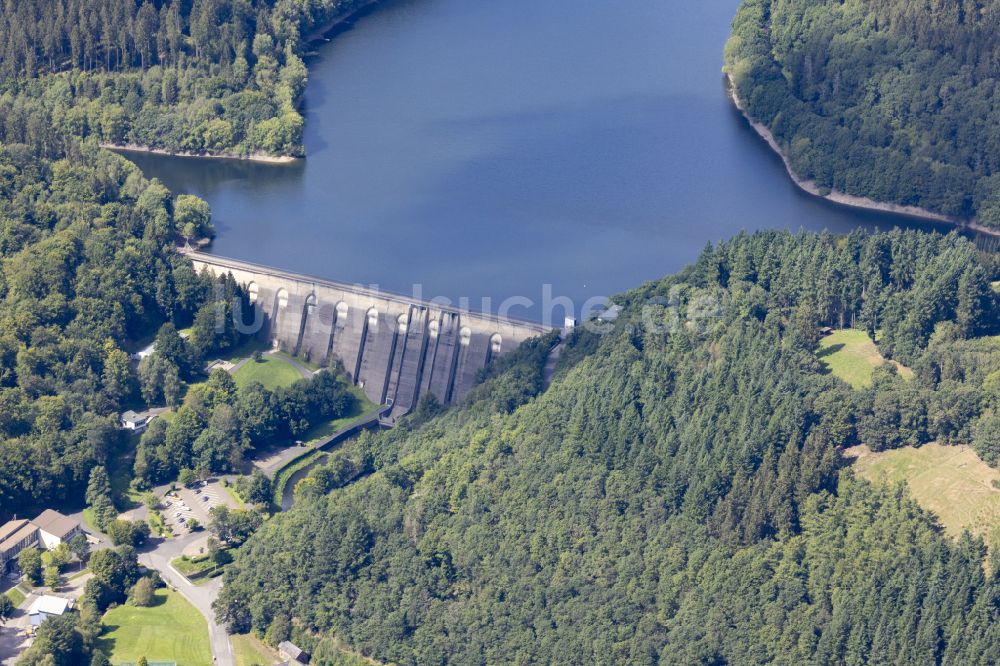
{"x": 949, "y": 481}
{"x": 298, "y": 359}
{"x": 15, "y": 595}
{"x": 245, "y": 350}
{"x": 362, "y": 406}
{"x": 271, "y": 371}
{"x": 240, "y": 504}
{"x": 170, "y": 630}
{"x": 89, "y": 520}
{"x": 126, "y": 497}
{"x": 158, "y": 525}
{"x": 851, "y": 355}
{"x": 195, "y": 567}
{"x": 249, "y": 650}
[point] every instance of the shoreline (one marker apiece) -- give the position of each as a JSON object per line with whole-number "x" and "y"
{"x": 315, "y": 38}
{"x": 319, "y": 35}
{"x": 254, "y": 157}
{"x": 842, "y": 198}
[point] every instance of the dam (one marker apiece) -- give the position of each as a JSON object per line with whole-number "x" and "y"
{"x": 396, "y": 348}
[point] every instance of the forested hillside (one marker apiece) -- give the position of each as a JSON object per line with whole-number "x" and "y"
{"x": 215, "y": 76}
{"x": 86, "y": 265}
{"x": 889, "y": 99}
{"x": 675, "y": 496}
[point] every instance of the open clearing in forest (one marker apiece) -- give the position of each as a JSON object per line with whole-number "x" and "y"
{"x": 852, "y": 356}
{"x": 949, "y": 481}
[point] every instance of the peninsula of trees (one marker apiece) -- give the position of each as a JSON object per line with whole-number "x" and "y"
{"x": 890, "y": 100}
{"x": 219, "y": 77}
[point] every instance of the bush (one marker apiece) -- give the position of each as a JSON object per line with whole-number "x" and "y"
{"x": 187, "y": 477}
{"x": 132, "y": 533}
{"x": 142, "y": 593}
{"x": 51, "y": 577}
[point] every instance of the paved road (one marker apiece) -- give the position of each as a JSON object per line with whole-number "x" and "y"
{"x": 13, "y": 641}
{"x": 200, "y": 596}
{"x": 157, "y": 554}
{"x": 303, "y": 370}
{"x": 280, "y": 457}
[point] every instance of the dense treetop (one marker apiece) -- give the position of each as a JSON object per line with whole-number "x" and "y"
{"x": 86, "y": 266}
{"x": 675, "y": 496}
{"x": 216, "y": 76}
{"x": 889, "y": 99}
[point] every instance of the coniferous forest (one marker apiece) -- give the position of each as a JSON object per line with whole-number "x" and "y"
{"x": 676, "y": 496}
{"x": 209, "y": 76}
{"x": 887, "y": 99}
{"x": 678, "y": 492}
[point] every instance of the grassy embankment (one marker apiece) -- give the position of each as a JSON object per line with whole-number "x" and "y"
{"x": 199, "y": 569}
{"x": 15, "y": 595}
{"x": 249, "y": 650}
{"x": 271, "y": 370}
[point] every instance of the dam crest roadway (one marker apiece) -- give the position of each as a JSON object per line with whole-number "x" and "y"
{"x": 396, "y": 348}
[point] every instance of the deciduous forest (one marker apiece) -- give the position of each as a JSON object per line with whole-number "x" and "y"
{"x": 678, "y": 494}
{"x": 86, "y": 246}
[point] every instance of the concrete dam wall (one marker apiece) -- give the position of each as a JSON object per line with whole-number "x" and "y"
{"x": 396, "y": 348}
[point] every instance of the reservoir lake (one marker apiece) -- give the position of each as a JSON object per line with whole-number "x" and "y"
{"x": 472, "y": 149}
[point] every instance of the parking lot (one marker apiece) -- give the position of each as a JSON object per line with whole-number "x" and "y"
{"x": 185, "y": 504}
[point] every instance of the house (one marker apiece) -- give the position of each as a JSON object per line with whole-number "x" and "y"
{"x": 289, "y": 650}
{"x": 46, "y": 606}
{"x": 54, "y": 528}
{"x": 15, "y": 536}
{"x": 48, "y": 530}
{"x": 135, "y": 421}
